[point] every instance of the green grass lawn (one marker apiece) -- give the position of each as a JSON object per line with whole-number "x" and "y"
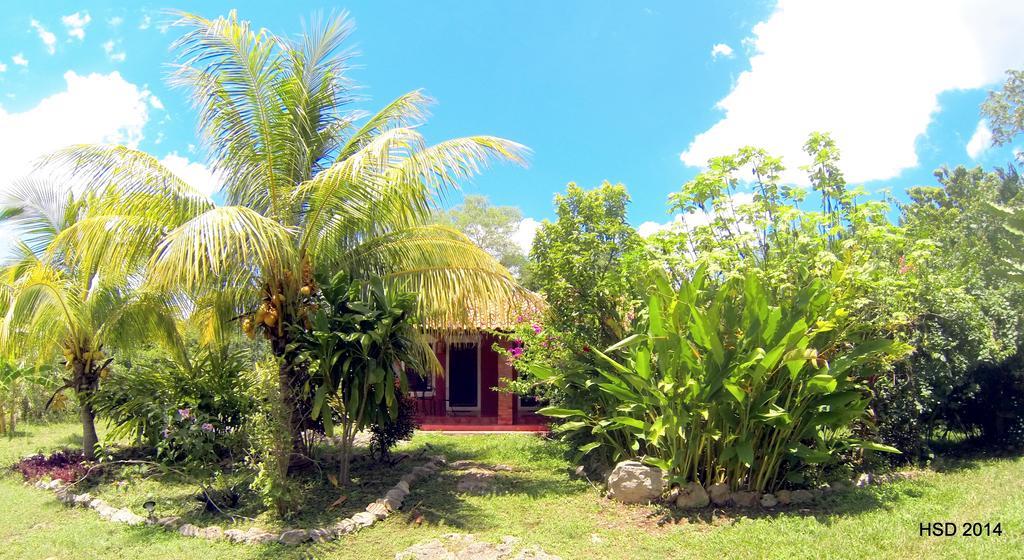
{"x": 541, "y": 504}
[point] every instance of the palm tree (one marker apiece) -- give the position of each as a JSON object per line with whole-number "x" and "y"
{"x": 311, "y": 188}
{"x": 65, "y": 298}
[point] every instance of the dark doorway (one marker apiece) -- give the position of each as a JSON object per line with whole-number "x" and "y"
{"x": 463, "y": 381}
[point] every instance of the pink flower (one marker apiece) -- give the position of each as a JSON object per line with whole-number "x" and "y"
{"x": 207, "y": 427}
{"x": 184, "y": 413}
{"x": 520, "y": 319}
{"x": 516, "y": 352}
{"x": 536, "y": 328}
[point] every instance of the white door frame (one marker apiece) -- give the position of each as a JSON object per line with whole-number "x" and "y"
{"x": 464, "y": 339}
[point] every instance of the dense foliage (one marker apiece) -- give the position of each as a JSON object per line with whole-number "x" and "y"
{"x": 931, "y": 281}
{"x": 728, "y": 383}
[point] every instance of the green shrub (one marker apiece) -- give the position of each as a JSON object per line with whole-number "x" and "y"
{"x": 354, "y": 345}
{"x": 387, "y": 432}
{"x": 144, "y": 398}
{"x": 727, "y": 383}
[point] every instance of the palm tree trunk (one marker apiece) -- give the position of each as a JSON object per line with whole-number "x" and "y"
{"x": 85, "y": 381}
{"x": 88, "y": 417}
{"x": 296, "y": 409}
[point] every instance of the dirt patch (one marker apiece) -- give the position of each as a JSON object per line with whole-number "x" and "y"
{"x": 458, "y": 546}
{"x": 478, "y": 478}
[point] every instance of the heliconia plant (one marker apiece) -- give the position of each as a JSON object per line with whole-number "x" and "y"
{"x": 728, "y": 383}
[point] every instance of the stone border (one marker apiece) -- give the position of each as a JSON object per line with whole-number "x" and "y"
{"x": 694, "y": 496}
{"x": 377, "y": 511}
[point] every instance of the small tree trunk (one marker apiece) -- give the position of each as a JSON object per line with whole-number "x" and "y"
{"x": 346, "y": 454}
{"x": 84, "y": 381}
{"x": 3, "y": 425}
{"x": 89, "y": 438}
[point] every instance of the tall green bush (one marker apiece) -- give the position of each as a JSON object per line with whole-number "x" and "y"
{"x": 728, "y": 383}
{"x": 356, "y": 341}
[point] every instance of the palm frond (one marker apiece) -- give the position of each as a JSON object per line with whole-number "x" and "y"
{"x": 406, "y": 111}
{"x": 123, "y": 180}
{"x": 38, "y": 209}
{"x": 236, "y": 76}
{"x": 223, "y": 242}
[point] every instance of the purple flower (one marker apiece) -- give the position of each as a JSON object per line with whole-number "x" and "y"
{"x": 166, "y": 433}
{"x": 536, "y": 328}
{"x": 185, "y": 413}
{"x": 516, "y": 352}
{"x": 207, "y": 427}
{"x": 520, "y": 319}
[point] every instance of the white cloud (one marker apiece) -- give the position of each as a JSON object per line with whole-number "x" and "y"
{"x": 869, "y": 72}
{"x": 695, "y": 219}
{"x": 721, "y": 49}
{"x": 48, "y": 38}
{"x": 193, "y": 173}
{"x": 3, "y": 67}
{"x": 145, "y": 23}
{"x": 112, "y": 56}
{"x": 19, "y": 59}
{"x": 525, "y": 233}
{"x": 115, "y": 21}
{"x": 93, "y": 108}
{"x": 75, "y": 23}
{"x": 980, "y": 141}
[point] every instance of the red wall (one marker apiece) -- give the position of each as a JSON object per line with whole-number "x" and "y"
{"x": 488, "y": 376}
{"x": 489, "y": 398}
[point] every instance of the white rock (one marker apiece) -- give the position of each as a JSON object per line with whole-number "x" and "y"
{"x": 363, "y": 519}
{"x": 126, "y": 516}
{"x": 213, "y": 532}
{"x": 769, "y": 501}
{"x": 631, "y": 482}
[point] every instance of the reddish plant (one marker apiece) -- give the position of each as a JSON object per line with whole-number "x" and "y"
{"x": 67, "y": 465}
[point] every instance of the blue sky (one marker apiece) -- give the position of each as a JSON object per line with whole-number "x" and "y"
{"x": 631, "y": 92}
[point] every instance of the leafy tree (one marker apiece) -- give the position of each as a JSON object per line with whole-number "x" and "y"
{"x": 492, "y": 228}
{"x": 968, "y": 328}
{"x": 64, "y": 299}
{"x": 1005, "y": 109}
{"x": 310, "y": 188}
{"x": 589, "y": 264}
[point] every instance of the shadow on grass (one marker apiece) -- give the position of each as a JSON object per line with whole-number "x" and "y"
{"x": 968, "y": 455}
{"x": 825, "y": 510}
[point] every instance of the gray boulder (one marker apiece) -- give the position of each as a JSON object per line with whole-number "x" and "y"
{"x": 294, "y": 537}
{"x": 769, "y": 501}
{"x": 692, "y": 495}
{"x": 745, "y": 499}
{"x": 800, "y": 496}
{"x": 719, "y": 494}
